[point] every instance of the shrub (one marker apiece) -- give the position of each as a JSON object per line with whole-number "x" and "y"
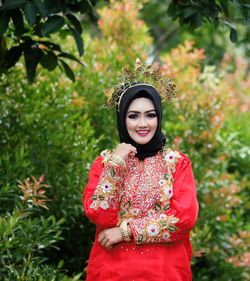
{"x": 57, "y": 128}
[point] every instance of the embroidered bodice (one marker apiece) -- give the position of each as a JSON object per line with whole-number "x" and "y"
{"x": 158, "y": 198}
{"x": 142, "y": 194}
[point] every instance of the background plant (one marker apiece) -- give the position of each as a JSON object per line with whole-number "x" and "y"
{"x": 57, "y": 128}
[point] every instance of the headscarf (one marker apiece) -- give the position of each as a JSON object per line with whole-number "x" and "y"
{"x": 158, "y": 140}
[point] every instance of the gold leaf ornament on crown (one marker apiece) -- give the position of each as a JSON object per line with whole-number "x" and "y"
{"x": 141, "y": 75}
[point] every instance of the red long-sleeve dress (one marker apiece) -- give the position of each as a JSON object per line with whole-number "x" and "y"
{"x": 159, "y": 200}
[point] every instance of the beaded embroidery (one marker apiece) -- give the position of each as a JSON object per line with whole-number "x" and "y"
{"x": 107, "y": 194}
{"x": 141, "y": 194}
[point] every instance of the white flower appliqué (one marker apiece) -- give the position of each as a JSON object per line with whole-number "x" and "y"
{"x": 171, "y": 156}
{"x": 106, "y": 187}
{"x": 168, "y": 191}
{"x": 153, "y": 230}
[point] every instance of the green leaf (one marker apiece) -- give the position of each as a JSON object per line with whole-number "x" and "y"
{"x": 77, "y": 277}
{"x": 41, "y": 8}
{"x": 233, "y": 35}
{"x": 32, "y": 56}
{"x": 4, "y": 21}
{"x": 78, "y": 40}
{"x": 229, "y": 24}
{"x": 53, "y": 24}
{"x": 189, "y": 11}
{"x": 51, "y": 45}
{"x": 75, "y": 22}
{"x": 13, "y": 4}
{"x": 224, "y": 9}
{"x": 30, "y": 13}
{"x": 17, "y": 18}
{"x": 70, "y": 74}
{"x": 60, "y": 264}
{"x": 49, "y": 61}
{"x": 71, "y": 57}
{"x": 12, "y": 57}
{"x": 171, "y": 11}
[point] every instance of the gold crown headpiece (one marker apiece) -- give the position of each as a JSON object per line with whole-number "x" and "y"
{"x": 141, "y": 75}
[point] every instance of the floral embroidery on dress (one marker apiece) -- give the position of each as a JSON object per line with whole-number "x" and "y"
{"x": 171, "y": 158}
{"x": 156, "y": 228}
{"x": 142, "y": 195}
{"x": 108, "y": 192}
{"x": 145, "y": 208}
{"x": 153, "y": 229}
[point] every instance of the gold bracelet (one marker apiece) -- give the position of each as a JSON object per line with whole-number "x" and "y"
{"x": 124, "y": 231}
{"x": 116, "y": 160}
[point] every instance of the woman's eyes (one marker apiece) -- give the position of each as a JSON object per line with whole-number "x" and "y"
{"x": 149, "y": 115}
{"x": 133, "y": 116}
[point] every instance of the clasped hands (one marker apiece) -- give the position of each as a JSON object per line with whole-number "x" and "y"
{"x": 111, "y": 236}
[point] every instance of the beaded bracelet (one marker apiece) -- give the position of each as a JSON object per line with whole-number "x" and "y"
{"x": 116, "y": 160}
{"x": 124, "y": 231}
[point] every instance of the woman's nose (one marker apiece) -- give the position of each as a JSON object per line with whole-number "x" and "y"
{"x": 142, "y": 122}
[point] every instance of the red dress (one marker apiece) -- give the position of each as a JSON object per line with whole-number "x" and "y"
{"x": 159, "y": 200}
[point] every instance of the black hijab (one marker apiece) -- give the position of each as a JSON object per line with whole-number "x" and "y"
{"x": 157, "y": 142}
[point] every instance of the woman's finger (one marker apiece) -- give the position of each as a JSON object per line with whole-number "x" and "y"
{"x": 108, "y": 244}
{"x": 101, "y": 237}
{"x": 104, "y": 242}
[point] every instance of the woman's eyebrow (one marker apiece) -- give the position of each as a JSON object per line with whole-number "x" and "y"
{"x": 134, "y": 111}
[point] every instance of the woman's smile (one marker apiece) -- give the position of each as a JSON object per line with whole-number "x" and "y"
{"x": 142, "y": 133}
{"x": 141, "y": 120}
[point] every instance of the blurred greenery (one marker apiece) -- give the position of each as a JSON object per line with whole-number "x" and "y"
{"x": 56, "y": 128}
{"x": 26, "y": 28}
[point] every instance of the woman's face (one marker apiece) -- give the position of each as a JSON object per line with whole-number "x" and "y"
{"x": 141, "y": 120}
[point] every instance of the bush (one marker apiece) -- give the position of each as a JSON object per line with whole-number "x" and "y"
{"x": 57, "y": 128}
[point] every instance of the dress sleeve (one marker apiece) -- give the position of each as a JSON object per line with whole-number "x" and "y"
{"x": 103, "y": 192}
{"x": 176, "y": 222}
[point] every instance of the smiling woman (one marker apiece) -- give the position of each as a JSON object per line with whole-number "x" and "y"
{"x": 141, "y": 120}
{"x": 141, "y": 196}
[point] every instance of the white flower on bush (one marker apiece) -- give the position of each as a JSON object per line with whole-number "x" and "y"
{"x": 171, "y": 157}
{"x": 106, "y": 187}
{"x": 153, "y": 230}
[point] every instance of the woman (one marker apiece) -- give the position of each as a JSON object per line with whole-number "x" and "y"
{"x": 141, "y": 196}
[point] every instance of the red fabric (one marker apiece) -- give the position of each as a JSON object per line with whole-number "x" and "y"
{"x": 148, "y": 261}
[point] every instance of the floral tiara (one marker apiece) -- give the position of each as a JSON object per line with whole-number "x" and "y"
{"x": 141, "y": 75}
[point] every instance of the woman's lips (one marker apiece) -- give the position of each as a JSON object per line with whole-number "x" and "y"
{"x": 142, "y": 133}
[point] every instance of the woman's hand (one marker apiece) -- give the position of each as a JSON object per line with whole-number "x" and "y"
{"x": 124, "y": 150}
{"x": 109, "y": 237}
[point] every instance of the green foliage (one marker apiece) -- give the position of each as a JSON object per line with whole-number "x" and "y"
{"x": 213, "y": 35}
{"x": 195, "y": 13}
{"x": 27, "y": 27}
{"x": 23, "y": 241}
{"x": 46, "y": 132}
{"x": 56, "y": 129}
